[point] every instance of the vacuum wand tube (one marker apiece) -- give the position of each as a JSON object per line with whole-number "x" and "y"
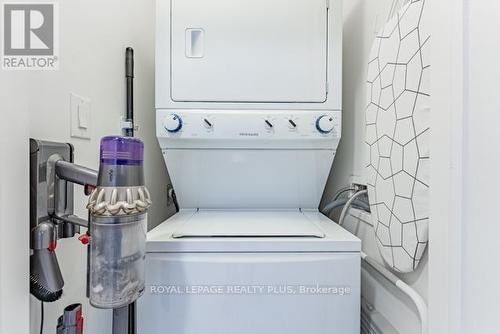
{"x": 129, "y": 74}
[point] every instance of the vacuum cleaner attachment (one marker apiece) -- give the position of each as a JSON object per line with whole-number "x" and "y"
{"x": 71, "y": 322}
{"x": 118, "y": 224}
{"x": 46, "y": 282}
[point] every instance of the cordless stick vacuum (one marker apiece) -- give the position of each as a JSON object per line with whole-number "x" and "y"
{"x": 118, "y": 207}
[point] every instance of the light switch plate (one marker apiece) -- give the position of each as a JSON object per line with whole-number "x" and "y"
{"x": 80, "y": 109}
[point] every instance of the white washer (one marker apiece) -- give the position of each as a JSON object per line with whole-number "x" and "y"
{"x": 259, "y": 271}
{"x": 248, "y": 117}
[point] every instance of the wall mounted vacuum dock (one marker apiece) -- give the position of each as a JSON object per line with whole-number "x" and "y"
{"x": 118, "y": 205}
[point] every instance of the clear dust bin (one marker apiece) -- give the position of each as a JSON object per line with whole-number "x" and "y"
{"x": 117, "y": 259}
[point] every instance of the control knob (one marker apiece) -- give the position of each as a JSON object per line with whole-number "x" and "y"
{"x": 325, "y": 124}
{"x": 269, "y": 124}
{"x": 172, "y": 123}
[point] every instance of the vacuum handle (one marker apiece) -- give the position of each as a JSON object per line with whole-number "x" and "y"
{"x": 129, "y": 62}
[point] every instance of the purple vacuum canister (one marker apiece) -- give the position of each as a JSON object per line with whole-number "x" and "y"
{"x": 121, "y": 162}
{"x": 118, "y": 224}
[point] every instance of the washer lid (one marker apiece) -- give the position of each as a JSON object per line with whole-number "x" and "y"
{"x": 248, "y": 224}
{"x": 250, "y": 231}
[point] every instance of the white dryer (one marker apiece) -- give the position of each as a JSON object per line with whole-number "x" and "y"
{"x": 248, "y": 117}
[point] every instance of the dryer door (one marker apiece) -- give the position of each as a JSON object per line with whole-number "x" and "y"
{"x": 249, "y": 50}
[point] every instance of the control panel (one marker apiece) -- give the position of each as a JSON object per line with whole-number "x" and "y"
{"x": 283, "y": 125}
{"x": 253, "y": 129}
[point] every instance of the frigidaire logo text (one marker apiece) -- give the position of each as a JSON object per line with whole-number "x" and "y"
{"x": 249, "y": 134}
{"x": 30, "y": 36}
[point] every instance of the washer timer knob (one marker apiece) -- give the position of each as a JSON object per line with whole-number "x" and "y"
{"x": 172, "y": 123}
{"x": 325, "y": 124}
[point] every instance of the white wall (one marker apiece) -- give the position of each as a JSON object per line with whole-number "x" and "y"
{"x": 464, "y": 289}
{"x": 14, "y": 199}
{"x": 447, "y": 142}
{"x": 93, "y": 37}
{"x": 362, "y": 20}
{"x": 481, "y": 165}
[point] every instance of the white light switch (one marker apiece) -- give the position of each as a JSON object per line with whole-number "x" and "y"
{"x": 83, "y": 115}
{"x": 80, "y": 116}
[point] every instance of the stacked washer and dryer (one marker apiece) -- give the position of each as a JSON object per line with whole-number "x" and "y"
{"x": 248, "y": 117}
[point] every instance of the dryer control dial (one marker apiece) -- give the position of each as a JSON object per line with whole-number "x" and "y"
{"x": 172, "y": 123}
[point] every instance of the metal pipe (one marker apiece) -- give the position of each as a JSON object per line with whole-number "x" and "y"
{"x": 63, "y": 203}
{"x": 71, "y": 172}
{"x": 75, "y": 220}
{"x": 121, "y": 320}
{"x": 124, "y": 318}
{"x": 129, "y": 74}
